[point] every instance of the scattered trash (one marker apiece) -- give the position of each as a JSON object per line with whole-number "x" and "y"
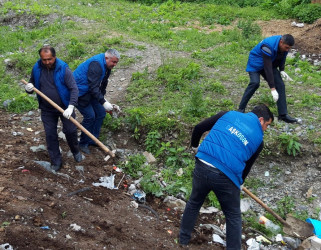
{"x": 278, "y": 238}
{"x": 25, "y": 170}
{"x": 6, "y": 246}
{"x": 29, "y": 129}
{"x": 245, "y": 205}
{"x": 216, "y": 229}
{"x": 253, "y": 245}
{"x": 79, "y": 191}
{"x": 175, "y": 203}
{"x": 107, "y": 158}
{"x": 150, "y": 209}
{"x": 140, "y": 196}
{"x": 45, "y": 227}
{"x": 133, "y": 204}
{"x": 317, "y": 226}
{"x": 267, "y": 174}
{"x": 299, "y": 25}
{"x": 269, "y": 224}
{"x": 261, "y": 238}
{"x": 180, "y": 172}
{"x": 75, "y": 227}
{"x": 170, "y": 232}
{"x": 38, "y": 148}
{"x": 218, "y": 239}
{"x": 68, "y": 237}
{"x": 120, "y": 181}
{"x": 106, "y": 181}
{"x": 117, "y": 169}
{"x": 208, "y": 210}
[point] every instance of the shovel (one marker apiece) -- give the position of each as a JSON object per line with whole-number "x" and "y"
{"x": 74, "y": 121}
{"x": 292, "y": 226}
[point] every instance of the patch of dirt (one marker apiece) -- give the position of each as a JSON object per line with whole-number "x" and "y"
{"x": 307, "y": 38}
{"x": 32, "y": 198}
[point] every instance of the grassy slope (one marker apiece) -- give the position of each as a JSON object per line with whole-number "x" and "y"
{"x": 212, "y": 78}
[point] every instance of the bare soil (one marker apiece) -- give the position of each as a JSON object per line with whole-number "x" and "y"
{"x": 32, "y": 198}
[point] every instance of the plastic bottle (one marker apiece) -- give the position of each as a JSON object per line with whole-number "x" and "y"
{"x": 269, "y": 224}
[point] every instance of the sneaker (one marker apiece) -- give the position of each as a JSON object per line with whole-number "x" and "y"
{"x": 56, "y": 167}
{"x": 241, "y": 110}
{"x": 287, "y": 118}
{"x": 78, "y": 157}
{"x": 85, "y": 149}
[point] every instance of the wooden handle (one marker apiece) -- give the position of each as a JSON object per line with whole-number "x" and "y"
{"x": 265, "y": 206}
{"x": 74, "y": 121}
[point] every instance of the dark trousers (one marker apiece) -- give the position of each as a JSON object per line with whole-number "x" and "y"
{"x": 94, "y": 115}
{"x": 254, "y": 85}
{"x": 206, "y": 179}
{"x": 50, "y": 122}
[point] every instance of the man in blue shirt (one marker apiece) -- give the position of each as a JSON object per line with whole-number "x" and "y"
{"x": 223, "y": 161}
{"x": 92, "y": 79}
{"x": 54, "y": 79}
{"x": 267, "y": 59}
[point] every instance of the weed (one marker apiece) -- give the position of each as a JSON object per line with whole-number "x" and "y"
{"x": 196, "y": 106}
{"x": 75, "y": 48}
{"x": 289, "y": 143}
{"x": 250, "y": 30}
{"x": 134, "y": 165}
{"x": 22, "y": 102}
{"x": 64, "y": 214}
{"x": 152, "y": 141}
{"x": 134, "y": 119}
{"x": 112, "y": 124}
{"x": 285, "y": 206}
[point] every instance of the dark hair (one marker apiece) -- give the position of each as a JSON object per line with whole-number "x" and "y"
{"x": 263, "y": 111}
{"x": 47, "y": 47}
{"x": 288, "y": 39}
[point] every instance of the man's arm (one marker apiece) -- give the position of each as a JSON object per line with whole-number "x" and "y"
{"x": 72, "y": 86}
{"x": 251, "y": 161}
{"x": 267, "y": 62}
{"x": 204, "y": 126}
{"x": 94, "y": 75}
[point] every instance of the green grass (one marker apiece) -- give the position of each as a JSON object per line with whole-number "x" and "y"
{"x": 215, "y": 41}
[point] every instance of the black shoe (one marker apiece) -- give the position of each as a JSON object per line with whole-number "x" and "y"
{"x": 287, "y": 118}
{"x": 85, "y": 149}
{"x": 56, "y": 167}
{"x": 78, "y": 157}
{"x": 241, "y": 110}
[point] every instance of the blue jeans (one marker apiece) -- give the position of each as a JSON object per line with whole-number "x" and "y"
{"x": 255, "y": 84}
{"x": 206, "y": 179}
{"x": 94, "y": 114}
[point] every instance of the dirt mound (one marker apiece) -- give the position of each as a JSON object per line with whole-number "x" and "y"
{"x": 307, "y": 38}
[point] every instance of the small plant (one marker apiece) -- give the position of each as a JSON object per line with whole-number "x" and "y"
{"x": 285, "y": 206}
{"x": 152, "y": 141}
{"x": 22, "y": 102}
{"x": 75, "y": 48}
{"x": 64, "y": 214}
{"x": 111, "y": 123}
{"x": 196, "y": 106}
{"x": 134, "y": 165}
{"x": 289, "y": 143}
{"x": 250, "y": 30}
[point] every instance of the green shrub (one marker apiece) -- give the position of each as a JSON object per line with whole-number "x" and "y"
{"x": 134, "y": 165}
{"x": 153, "y": 141}
{"x": 289, "y": 143}
{"x": 22, "y": 102}
{"x": 307, "y": 13}
{"x": 250, "y": 30}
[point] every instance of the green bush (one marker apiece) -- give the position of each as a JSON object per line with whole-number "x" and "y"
{"x": 307, "y": 13}
{"x": 289, "y": 143}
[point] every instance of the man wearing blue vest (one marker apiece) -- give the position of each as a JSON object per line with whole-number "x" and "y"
{"x": 92, "y": 78}
{"x": 268, "y": 60}
{"x": 222, "y": 163}
{"x": 53, "y": 78}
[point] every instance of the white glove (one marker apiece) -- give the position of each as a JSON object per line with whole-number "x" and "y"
{"x": 29, "y": 87}
{"x": 275, "y": 95}
{"x": 286, "y": 76}
{"x": 67, "y": 113}
{"x": 116, "y": 108}
{"x": 107, "y": 106}
{"x": 195, "y": 149}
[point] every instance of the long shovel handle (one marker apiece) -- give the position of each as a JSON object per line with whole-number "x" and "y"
{"x": 74, "y": 121}
{"x": 265, "y": 206}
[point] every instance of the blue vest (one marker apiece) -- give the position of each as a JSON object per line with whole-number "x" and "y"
{"x": 255, "y": 61}
{"x": 232, "y": 141}
{"x": 80, "y": 73}
{"x": 59, "y": 78}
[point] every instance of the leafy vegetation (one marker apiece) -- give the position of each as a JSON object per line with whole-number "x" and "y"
{"x": 209, "y": 44}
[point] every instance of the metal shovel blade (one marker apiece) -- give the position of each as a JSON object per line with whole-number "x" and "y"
{"x": 298, "y": 228}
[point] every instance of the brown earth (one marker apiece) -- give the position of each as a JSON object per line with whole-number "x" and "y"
{"x": 32, "y": 198}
